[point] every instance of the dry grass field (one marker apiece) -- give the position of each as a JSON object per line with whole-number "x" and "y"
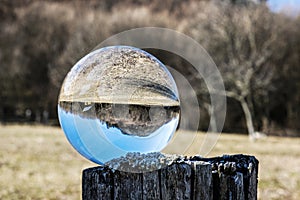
{"x": 37, "y": 162}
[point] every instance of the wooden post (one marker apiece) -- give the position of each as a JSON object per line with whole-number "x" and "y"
{"x": 227, "y": 177}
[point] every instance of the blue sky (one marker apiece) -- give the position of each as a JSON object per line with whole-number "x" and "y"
{"x": 284, "y": 5}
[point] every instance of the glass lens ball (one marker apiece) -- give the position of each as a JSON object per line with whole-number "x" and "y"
{"x": 116, "y": 100}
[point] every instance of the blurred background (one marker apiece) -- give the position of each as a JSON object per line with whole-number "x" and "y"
{"x": 254, "y": 43}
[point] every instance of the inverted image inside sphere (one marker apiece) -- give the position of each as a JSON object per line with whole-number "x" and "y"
{"x": 120, "y": 75}
{"x": 117, "y": 100}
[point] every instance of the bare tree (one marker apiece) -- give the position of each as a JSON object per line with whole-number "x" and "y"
{"x": 242, "y": 41}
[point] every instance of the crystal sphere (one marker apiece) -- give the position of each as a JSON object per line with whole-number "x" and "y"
{"x": 116, "y": 100}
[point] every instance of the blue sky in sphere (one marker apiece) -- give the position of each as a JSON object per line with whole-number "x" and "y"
{"x": 290, "y": 6}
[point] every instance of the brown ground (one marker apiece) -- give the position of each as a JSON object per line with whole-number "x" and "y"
{"x": 38, "y": 163}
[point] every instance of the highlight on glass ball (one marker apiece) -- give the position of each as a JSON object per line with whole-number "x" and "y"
{"x": 118, "y": 101}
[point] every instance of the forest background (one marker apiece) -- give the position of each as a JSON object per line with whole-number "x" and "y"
{"x": 256, "y": 50}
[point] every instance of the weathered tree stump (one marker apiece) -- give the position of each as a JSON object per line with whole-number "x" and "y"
{"x": 227, "y": 177}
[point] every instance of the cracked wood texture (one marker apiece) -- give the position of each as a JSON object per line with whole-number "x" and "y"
{"x": 227, "y": 177}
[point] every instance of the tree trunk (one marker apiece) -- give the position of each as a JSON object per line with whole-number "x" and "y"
{"x": 213, "y": 120}
{"x": 220, "y": 178}
{"x": 248, "y": 118}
